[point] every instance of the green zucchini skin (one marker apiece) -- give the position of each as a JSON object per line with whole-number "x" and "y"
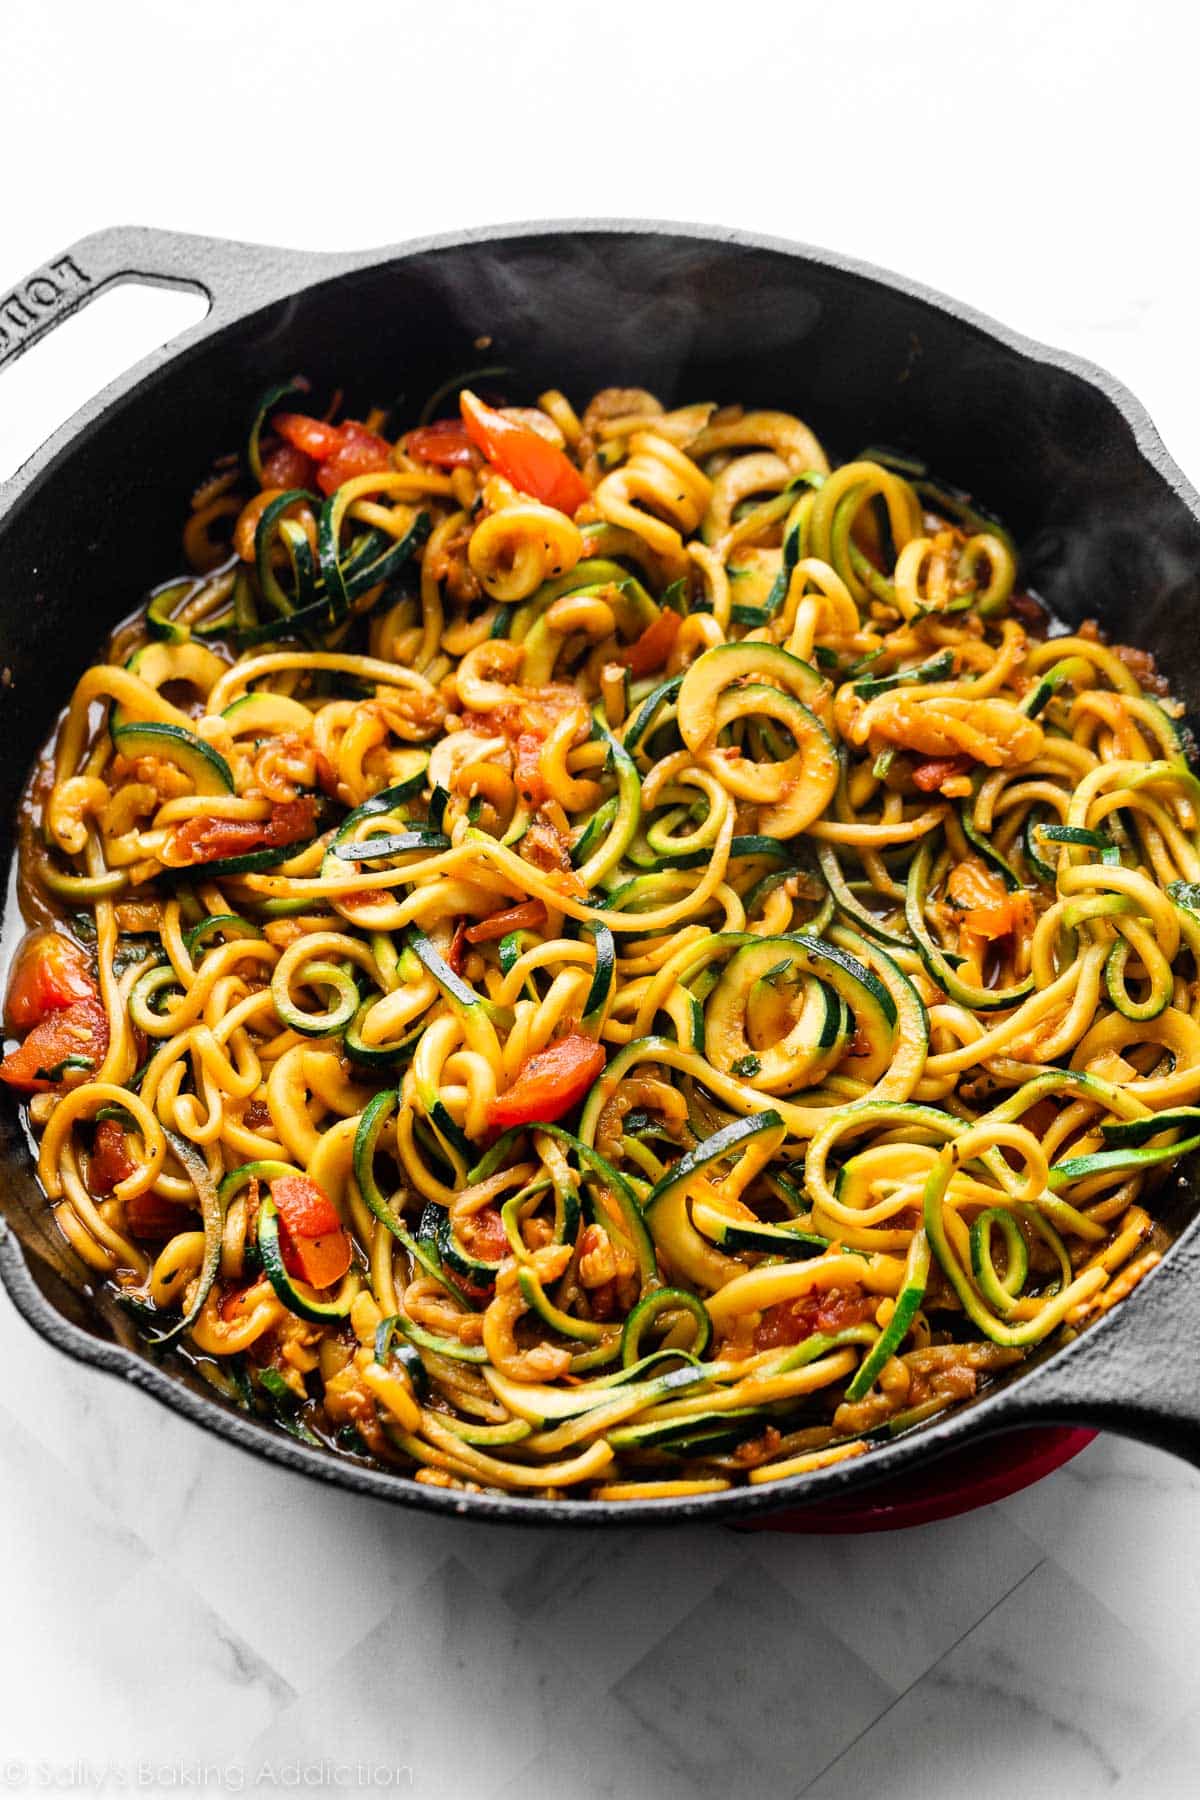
{"x": 251, "y": 862}
{"x": 721, "y": 1144}
{"x": 207, "y": 770}
{"x": 317, "y": 1312}
{"x": 213, "y": 1205}
{"x": 938, "y": 962}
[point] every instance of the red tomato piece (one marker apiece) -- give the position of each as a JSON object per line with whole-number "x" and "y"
{"x": 361, "y": 452}
{"x": 304, "y": 1206}
{"x": 311, "y": 436}
{"x": 526, "y": 917}
{"x": 150, "y": 1216}
{"x": 827, "y": 1310}
{"x": 483, "y": 1234}
{"x": 552, "y": 1081}
{"x": 110, "y": 1161}
{"x": 929, "y": 776}
{"x": 80, "y": 1029}
{"x": 208, "y": 840}
{"x": 445, "y": 444}
{"x": 50, "y": 971}
{"x": 313, "y": 1242}
{"x": 231, "y": 1305}
{"x": 656, "y": 643}
{"x": 533, "y": 465}
{"x": 531, "y": 783}
{"x": 287, "y": 467}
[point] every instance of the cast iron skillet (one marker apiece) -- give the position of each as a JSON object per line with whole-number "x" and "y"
{"x": 1107, "y": 523}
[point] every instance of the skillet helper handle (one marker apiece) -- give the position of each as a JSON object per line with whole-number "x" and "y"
{"x": 233, "y": 276}
{"x": 1136, "y": 1371}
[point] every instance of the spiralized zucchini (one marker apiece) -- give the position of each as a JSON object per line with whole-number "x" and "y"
{"x": 596, "y": 953}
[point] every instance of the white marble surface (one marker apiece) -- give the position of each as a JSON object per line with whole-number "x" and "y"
{"x": 171, "y": 1608}
{"x": 177, "y": 1618}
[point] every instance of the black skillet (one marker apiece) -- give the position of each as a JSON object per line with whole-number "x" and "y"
{"x": 1107, "y": 524}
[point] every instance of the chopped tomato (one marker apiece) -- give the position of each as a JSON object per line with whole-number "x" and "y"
{"x": 361, "y": 452}
{"x": 110, "y": 1160}
{"x": 654, "y": 646}
{"x": 531, "y": 783}
{"x": 208, "y": 840}
{"x": 287, "y": 467}
{"x": 445, "y": 444}
{"x": 232, "y": 1304}
{"x": 313, "y": 1241}
{"x": 148, "y": 1215}
{"x": 929, "y": 776}
{"x": 989, "y": 921}
{"x": 79, "y": 1030}
{"x": 972, "y": 883}
{"x": 526, "y": 917}
{"x": 552, "y": 1081}
{"x": 313, "y": 437}
{"x": 545, "y": 848}
{"x": 50, "y": 971}
{"x": 826, "y": 1310}
{"x": 483, "y": 1234}
{"x": 523, "y": 457}
{"x": 1013, "y": 913}
{"x": 340, "y": 451}
{"x": 320, "y": 1261}
{"x": 304, "y": 1206}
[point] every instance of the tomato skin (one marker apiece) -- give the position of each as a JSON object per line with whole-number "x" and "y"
{"x": 110, "y": 1161}
{"x": 526, "y": 917}
{"x": 50, "y": 971}
{"x": 361, "y": 452}
{"x": 656, "y": 643}
{"x": 312, "y": 1241}
{"x": 339, "y": 451}
{"x": 552, "y": 1081}
{"x": 444, "y": 443}
{"x": 286, "y": 467}
{"x": 533, "y": 465}
{"x": 304, "y": 1206}
{"x": 205, "y": 840}
{"x": 313, "y": 437}
{"x": 80, "y": 1029}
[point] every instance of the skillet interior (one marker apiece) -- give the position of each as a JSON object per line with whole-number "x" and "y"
{"x": 1102, "y": 531}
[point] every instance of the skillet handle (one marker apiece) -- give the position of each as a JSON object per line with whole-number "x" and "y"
{"x": 233, "y": 276}
{"x": 1136, "y": 1371}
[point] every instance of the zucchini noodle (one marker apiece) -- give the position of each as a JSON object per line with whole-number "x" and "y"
{"x": 591, "y": 951}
